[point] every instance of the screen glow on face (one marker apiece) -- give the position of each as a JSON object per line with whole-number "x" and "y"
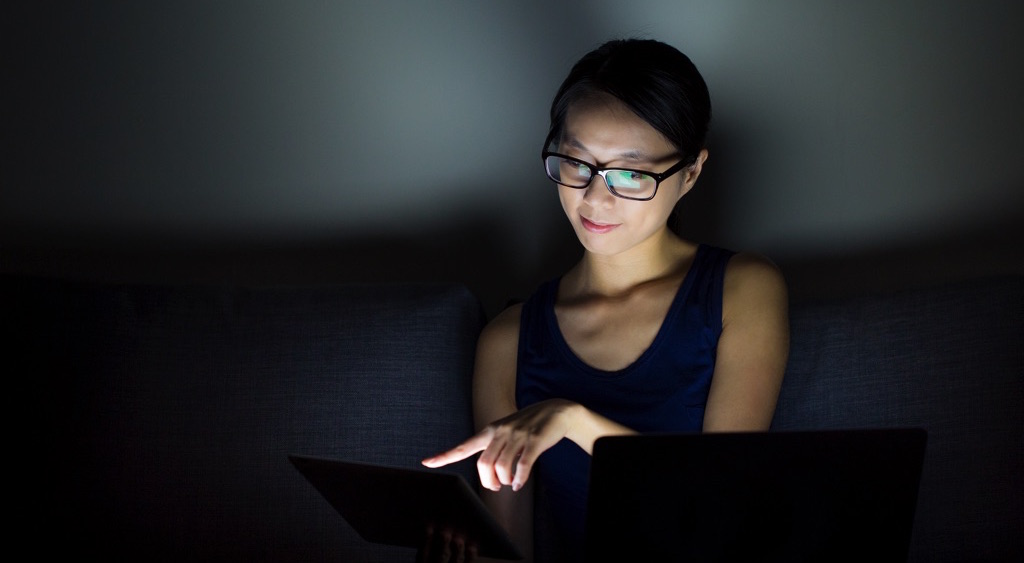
{"x": 622, "y": 182}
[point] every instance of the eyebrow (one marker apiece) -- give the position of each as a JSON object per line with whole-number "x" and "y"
{"x": 634, "y": 155}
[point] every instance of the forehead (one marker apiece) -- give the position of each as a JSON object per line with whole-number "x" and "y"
{"x": 603, "y": 127}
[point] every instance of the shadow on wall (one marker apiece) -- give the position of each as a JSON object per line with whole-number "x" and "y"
{"x": 469, "y": 252}
{"x": 473, "y": 249}
{"x": 996, "y": 249}
{"x": 472, "y": 253}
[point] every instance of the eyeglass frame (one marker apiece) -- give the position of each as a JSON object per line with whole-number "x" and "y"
{"x": 602, "y": 170}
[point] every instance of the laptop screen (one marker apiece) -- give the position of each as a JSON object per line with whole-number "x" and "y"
{"x": 838, "y": 495}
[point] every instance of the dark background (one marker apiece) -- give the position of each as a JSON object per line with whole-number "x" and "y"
{"x": 864, "y": 146}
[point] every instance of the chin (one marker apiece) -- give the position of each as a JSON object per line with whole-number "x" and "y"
{"x": 602, "y": 247}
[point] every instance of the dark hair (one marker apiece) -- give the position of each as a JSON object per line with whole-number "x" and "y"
{"x": 660, "y": 84}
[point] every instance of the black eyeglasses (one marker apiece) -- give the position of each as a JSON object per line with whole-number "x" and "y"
{"x": 640, "y": 185}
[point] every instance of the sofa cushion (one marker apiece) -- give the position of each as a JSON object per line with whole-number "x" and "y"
{"x": 170, "y": 411}
{"x": 949, "y": 360}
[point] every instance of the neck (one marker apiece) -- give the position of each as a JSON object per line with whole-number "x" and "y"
{"x": 656, "y": 258}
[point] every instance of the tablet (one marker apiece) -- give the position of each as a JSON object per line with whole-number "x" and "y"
{"x": 395, "y": 506}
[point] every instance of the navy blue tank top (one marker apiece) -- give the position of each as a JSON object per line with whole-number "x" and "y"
{"x": 664, "y": 390}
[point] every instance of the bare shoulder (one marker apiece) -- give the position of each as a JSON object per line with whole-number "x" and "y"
{"x": 502, "y": 332}
{"x": 748, "y": 267}
{"x": 494, "y": 376}
{"x": 753, "y": 348}
{"x": 753, "y": 281}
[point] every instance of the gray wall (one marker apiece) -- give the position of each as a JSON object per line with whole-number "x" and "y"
{"x": 863, "y": 145}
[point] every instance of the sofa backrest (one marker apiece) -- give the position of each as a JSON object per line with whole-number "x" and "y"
{"x": 950, "y": 360}
{"x": 157, "y": 420}
{"x": 168, "y": 413}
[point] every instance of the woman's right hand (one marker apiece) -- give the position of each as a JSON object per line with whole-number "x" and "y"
{"x": 512, "y": 444}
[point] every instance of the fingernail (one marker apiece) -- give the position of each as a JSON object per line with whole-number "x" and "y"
{"x": 516, "y": 486}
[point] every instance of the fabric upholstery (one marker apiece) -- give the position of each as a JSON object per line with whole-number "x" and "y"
{"x": 172, "y": 410}
{"x": 950, "y": 360}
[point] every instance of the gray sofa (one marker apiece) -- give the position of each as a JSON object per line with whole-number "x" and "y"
{"x": 154, "y": 422}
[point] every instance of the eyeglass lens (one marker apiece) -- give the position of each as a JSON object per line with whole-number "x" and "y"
{"x": 576, "y": 174}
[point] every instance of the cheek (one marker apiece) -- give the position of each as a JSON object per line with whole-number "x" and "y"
{"x": 673, "y": 189}
{"x": 669, "y": 196}
{"x": 657, "y": 213}
{"x": 569, "y": 198}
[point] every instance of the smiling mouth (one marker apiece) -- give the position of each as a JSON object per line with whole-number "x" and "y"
{"x": 596, "y": 227}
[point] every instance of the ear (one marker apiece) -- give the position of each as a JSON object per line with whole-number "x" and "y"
{"x": 692, "y": 172}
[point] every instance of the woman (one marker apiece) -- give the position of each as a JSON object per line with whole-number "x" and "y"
{"x": 647, "y": 332}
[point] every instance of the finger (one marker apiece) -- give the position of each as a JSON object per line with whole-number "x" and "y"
{"x": 459, "y": 549}
{"x": 485, "y": 465}
{"x": 462, "y": 451}
{"x": 524, "y": 466}
{"x": 446, "y": 549}
{"x": 505, "y": 464}
{"x": 471, "y": 553}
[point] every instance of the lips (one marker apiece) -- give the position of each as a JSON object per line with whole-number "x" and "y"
{"x": 596, "y": 227}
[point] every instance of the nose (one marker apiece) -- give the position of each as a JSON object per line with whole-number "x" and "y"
{"x": 598, "y": 192}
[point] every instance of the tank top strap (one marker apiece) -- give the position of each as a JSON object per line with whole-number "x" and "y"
{"x": 701, "y": 289}
{"x": 533, "y": 330}
{"x": 706, "y": 289}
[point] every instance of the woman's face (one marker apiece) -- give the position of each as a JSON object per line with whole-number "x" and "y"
{"x": 604, "y": 132}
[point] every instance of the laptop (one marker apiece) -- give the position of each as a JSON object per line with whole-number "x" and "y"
{"x": 395, "y": 506}
{"x": 837, "y": 495}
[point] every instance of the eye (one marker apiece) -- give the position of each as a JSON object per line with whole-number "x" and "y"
{"x": 575, "y": 168}
{"x": 629, "y": 179}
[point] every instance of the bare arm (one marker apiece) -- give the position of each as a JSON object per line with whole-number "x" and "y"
{"x": 494, "y": 378}
{"x": 753, "y": 347}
